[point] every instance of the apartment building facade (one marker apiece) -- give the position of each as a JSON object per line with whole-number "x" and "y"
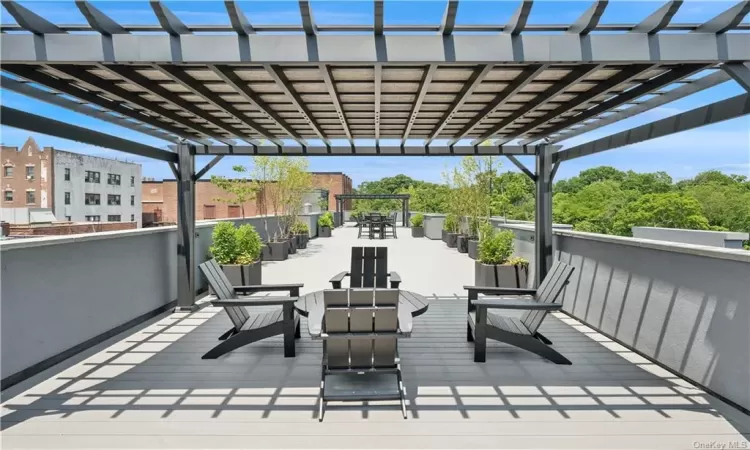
{"x": 160, "y": 198}
{"x": 76, "y": 188}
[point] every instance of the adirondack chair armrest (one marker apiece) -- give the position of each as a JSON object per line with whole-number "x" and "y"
{"x": 395, "y": 279}
{"x": 338, "y": 278}
{"x": 405, "y": 322}
{"x": 488, "y": 290}
{"x": 293, "y": 289}
{"x": 513, "y": 303}
{"x": 254, "y": 301}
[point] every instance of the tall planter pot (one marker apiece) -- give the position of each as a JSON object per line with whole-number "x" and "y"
{"x": 444, "y": 235}
{"x": 291, "y": 245}
{"x": 275, "y": 251}
{"x": 324, "y": 232}
{"x": 302, "y": 240}
{"x": 473, "y": 248}
{"x": 242, "y": 275}
{"x": 417, "y": 232}
{"x": 495, "y": 275}
{"x": 462, "y": 244}
{"x": 451, "y": 239}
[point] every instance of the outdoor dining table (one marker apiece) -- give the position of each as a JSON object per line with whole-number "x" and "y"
{"x": 312, "y": 306}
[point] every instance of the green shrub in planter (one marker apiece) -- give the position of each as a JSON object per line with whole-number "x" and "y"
{"x": 237, "y": 250}
{"x": 496, "y": 248}
{"x": 301, "y": 233}
{"x": 451, "y": 225}
{"x": 325, "y": 223}
{"x": 496, "y": 267}
{"x": 417, "y": 226}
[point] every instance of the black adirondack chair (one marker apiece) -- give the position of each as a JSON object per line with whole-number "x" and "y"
{"x": 248, "y": 326}
{"x": 484, "y": 324}
{"x": 369, "y": 268}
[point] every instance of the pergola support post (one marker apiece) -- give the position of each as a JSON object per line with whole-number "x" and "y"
{"x": 339, "y": 219}
{"x": 405, "y": 212}
{"x": 186, "y": 267}
{"x": 543, "y": 222}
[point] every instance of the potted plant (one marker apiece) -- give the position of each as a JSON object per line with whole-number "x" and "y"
{"x": 472, "y": 244}
{"x": 301, "y": 233}
{"x": 495, "y": 266}
{"x": 417, "y": 226}
{"x": 325, "y": 224}
{"x": 451, "y": 230}
{"x": 237, "y": 251}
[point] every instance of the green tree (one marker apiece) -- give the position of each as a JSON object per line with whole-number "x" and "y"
{"x": 593, "y": 208}
{"x": 239, "y": 189}
{"x": 647, "y": 183}
{"x": 587, "y": 177}
{"x": 670, "y": 210}
{"x": 513, "y": 196}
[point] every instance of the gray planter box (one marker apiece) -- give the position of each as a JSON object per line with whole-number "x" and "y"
{"x": 462, "y": 243}
{"x": 500, "y": 276}
{"x": 291, "y": 245}
{"x": 302, "y": 240}
{"x": 417, "y": 232}
{"x": 324, "y": 232}
{"x": 242, "y": 275}
{"x": 473, "y": 245}
{"x": 275, "y": 251}
{"x": 451, "y": 239}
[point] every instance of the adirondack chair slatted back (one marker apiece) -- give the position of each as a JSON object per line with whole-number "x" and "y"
{"x": 549, "y": 291}
{"x": 369, "y": 267}
{"x": 224, "y": 291}
{"x": 361, "y": 311}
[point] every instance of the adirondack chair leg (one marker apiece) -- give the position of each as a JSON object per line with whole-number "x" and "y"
{"x": 297, "y": 332}
{"x": 542, "y": 338}
{"x": 238, "y": 340}
{"x": 228, "y": 334}
{"x": 480, "y": 335}
{"x": 321, "y": 407}
{"x": 401, "y": 392}
{"x": 289, "y": 330}
{"x": 538, "y": 347}
{"x": 469, "y": 333}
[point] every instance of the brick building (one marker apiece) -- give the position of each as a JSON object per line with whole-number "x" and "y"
{"x": 70, "y": 186}
{"x": 160, "y": 198}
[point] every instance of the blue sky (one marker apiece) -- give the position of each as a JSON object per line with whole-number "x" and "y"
{"x": 725, "y": 146}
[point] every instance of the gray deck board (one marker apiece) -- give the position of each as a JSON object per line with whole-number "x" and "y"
{"x": 150, "y": 389}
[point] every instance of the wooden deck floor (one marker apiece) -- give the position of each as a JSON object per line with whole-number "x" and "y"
{"x": 150, "y": 389}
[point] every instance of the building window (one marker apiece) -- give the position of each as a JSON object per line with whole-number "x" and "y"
{"x": 93, "y": 218}
{"x": 67, "y": 198}
{"x": 93, "y": 199}
{"x": 68, "y": 218}
{"x": 8, "y": 171}
{"x": 113, "y": 199}
{"x": 132, "y": 200}
{"x": 132, "y": 217}
{"x": 67, "y": 174}
{"x": 209, "y": 211}
{"x": 8, "y": 196}
{"x": 113, "y": 179}
{"x": 30, "y": 197}
{"x": 92, "y": 177}
{"x": 30, "y": 172}
{"x": 132, "y": 181}
{"x": 233, "y": 211}
{"x": 112, "y": 218}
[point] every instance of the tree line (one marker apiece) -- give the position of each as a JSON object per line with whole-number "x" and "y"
{"x": 599, "y": 200}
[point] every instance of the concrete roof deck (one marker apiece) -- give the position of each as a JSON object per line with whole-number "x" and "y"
{"x": 148, "y": 388}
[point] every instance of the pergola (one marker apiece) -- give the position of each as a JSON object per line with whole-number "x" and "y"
{"x": 253, "y": 89}
{"x": 403, "y": 197}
